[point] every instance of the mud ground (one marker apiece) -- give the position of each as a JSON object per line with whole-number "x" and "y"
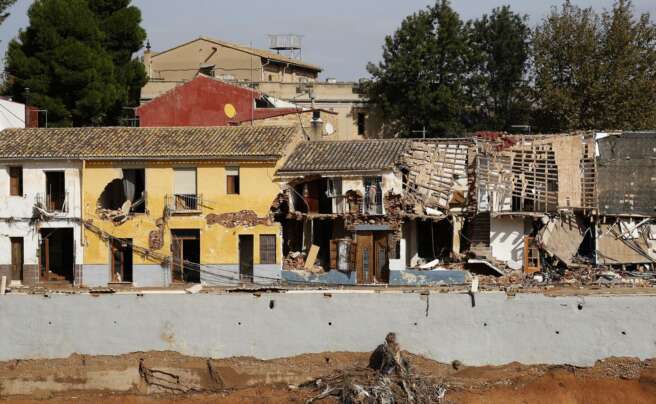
{"x": 167, "y": 377}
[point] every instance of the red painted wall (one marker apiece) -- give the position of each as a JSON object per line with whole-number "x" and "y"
{"x": 200, "y": 102}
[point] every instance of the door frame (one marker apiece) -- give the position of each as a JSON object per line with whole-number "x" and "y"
{"x": 17, "y": 274}
{"x": 248, "y": 264}
{"x": 178, "y": 236}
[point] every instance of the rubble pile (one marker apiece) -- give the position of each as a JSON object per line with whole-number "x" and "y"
{"x": 388, "y": 380}
{"x": 294, "y": 261}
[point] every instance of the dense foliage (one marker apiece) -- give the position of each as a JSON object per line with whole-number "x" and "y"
{"x": 76, "y": 59}
{"x": 578, "y": 69}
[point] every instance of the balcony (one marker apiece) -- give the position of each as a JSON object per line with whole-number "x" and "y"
{"x": 56, "y": 202}
{"x": 184, "y": 203}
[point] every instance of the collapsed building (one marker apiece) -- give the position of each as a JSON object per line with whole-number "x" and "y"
{"x": 556, "y": 202}
{"x": 374, "y": 211}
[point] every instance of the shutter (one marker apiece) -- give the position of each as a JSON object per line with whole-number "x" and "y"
{"x": 333, "y": 254}
{"x": 353, "y": 249}
{"x": 185, "y": 181}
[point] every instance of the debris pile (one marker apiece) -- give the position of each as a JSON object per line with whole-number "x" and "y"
{"x": 294, "y": 261}
{"x": 119, "y": 216}
{"x": 388, "y": 380}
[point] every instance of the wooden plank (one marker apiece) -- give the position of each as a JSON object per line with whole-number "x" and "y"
{"x": 312, "y": 257}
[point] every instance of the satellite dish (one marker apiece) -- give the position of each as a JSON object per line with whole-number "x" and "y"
{"x": 329, "y": 128}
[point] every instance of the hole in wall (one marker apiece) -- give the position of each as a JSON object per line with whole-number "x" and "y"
{"x": 239, "y": 323}
{"x": 558, "y": 332}
{"x": 623, "y": 332}
{"x": 415, "y": 324}
{"x": 272, "y": 304}
{"x": 484, "y": 324}
{"x": 330, "y": 323}
{"x": 580, "y": 306}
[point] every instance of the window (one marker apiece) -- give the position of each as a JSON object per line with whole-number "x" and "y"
{"x": 373, "y": 197}
{"x": 362, "y": 123}
{"x": 16, "y": 181}
{"x": 267, "y": 249}
{"x": 232, "y": 180}
{"x": 134, "y": 189}
{"x": 184, "y": 188}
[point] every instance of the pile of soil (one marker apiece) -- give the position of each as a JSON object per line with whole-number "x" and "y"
{"x": 247, "y": 380}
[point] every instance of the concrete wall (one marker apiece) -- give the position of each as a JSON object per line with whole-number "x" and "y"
{"x": 527, "y": 328}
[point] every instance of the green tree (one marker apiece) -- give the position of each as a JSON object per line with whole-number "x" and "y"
{"x": 64, "y": 57}
{"x": 419, "y": 82}
{"x": 124, "y": 36}
{"x": 628, "y": 70}
{"x": 499, "y": 50}
{"x": 4, "y": 5}
{"x": 566, "y": 68}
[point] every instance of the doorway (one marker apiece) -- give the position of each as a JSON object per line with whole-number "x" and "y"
{"x": 17, "y": 258}
{"x": 372, "y": 257}
{"x": 57, "y": 255}
{"x": 185, "y": 252}
{"x": 246, "y": 258}
{"x": 121, "y": 255}
{"x": 55, "y": 191}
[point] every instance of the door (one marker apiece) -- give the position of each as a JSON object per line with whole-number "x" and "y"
{"x": 372, "y": 262}
{"x": 17, "y": 258}
{"x": 246, "y": 258}
{"x": 531, "y": 256}
{"x": 185, "y": 256}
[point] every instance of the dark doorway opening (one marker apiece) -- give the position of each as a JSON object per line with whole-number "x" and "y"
{"x": 434, "y": 239}
{"x": 17, "y": 258}
{"x": 55, "y": 191}
{"x": 185, "y": 251}
{"x": 57, "y": 255}
{"x": 121, "y": 251}
{"x": 246, "y": 258}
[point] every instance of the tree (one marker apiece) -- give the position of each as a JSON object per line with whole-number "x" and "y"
{"x": 628, "y": 69}
{"x": 4, "y": 5}
{"x": 566, "y": 68}
{"x": 67, "y": 61}
{"x": 123, "y": 38}
{"x": 499, "y": 50}
{"x": 419, "y": 82}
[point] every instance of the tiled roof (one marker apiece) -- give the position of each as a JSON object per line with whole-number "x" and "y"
{"x": 146, "y": 143}
{"x": 348, "y": 155}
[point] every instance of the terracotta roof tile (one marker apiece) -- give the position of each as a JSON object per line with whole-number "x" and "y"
{"x": 351, "y": 155}
{"x": 146, "y": 143}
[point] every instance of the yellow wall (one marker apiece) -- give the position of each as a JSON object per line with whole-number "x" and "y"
{"x": 219, "y": 245}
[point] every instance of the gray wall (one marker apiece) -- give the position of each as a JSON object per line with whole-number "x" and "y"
{"x": 528, "y": 328}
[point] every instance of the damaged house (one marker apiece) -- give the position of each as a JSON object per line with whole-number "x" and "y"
{"x": 373, "y": 211}
{"x": 548, "y": 202}
{"x": 159, "y": 206}
{"x": 40, "y": 210}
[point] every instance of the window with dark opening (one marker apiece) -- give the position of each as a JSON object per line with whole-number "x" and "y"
{"x": 134, "y": 189}
{"x": 232, "y": 180}
{"x": 55, "y": 191}
{"x": 267, "y": 249}
{"x": 16, "y": 181}
{"x": 362, "y": 123}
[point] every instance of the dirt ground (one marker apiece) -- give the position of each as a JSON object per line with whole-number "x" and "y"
{"x": 166, "y": 377}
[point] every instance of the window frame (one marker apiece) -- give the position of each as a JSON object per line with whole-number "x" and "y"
{"x": 234, "y": 179}
{"x": 270, "y": 255}
{"x": 16, "y": 179}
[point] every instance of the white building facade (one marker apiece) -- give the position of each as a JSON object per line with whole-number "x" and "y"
{"x": 40, "y": 222}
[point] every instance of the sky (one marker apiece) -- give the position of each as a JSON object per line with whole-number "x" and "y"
{"x": 342, "y": 36}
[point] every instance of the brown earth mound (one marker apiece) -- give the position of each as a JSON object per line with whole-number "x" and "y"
{"x": 166, "y": 377}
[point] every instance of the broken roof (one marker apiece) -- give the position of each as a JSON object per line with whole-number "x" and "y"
{"x": 234, "y": 143}
{"x": 319, "y": 157}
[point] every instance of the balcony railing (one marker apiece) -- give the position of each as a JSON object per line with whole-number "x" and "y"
{"x": 184, "y": 203}
{"x": 55, "y": 202}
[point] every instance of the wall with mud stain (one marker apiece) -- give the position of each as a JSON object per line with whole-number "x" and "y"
{"x": 497, "y": 329}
